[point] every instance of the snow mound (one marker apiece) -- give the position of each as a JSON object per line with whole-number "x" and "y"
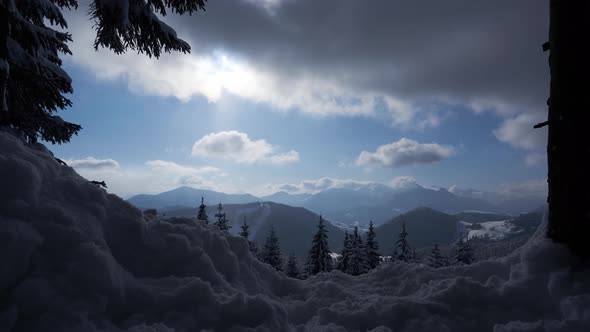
{"x": 75, "y": 258}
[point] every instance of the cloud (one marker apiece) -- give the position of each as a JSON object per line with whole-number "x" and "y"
{"x": 172, "y": 167}
{"x": 403, "y": 182}
{"x": 155, "y": 176}
{"x": 405, "y": 152}
{"x": 321, "y": 184}
{"x": 519, "y": 132}
{"x": 393, "y": 60}
{"x": 237, "y": 146}
{"x": 91, "y": 163}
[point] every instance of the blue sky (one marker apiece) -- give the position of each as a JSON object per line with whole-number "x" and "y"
{"x": 143, "y": 117}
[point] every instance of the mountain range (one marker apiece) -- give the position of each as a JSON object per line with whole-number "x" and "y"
{"x": 294, "y": 226}
{"x": 340, "y": 205}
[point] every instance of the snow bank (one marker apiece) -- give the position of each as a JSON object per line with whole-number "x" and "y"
{"x": 75, "y": 258}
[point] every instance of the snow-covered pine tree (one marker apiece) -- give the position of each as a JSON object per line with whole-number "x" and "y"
{"x": 344, "y": 258}
{"x": 271, "y": 252}
{"x": 202, "y": 215}
{"x": 245, "y": 233}
{"x": 292, "y": 270}
{"x": 463, "y": 253}
{"x": 372, "y": 247}
{"x": 221, "y": 221}
{"x": 436, "y": 259}
{"x": 402, "y": 251}
{"x": 357, "y": 264}
{"x": 318, "y": 258}
{"x": 33, "y": 84}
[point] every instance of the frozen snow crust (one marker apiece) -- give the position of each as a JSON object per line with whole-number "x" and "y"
{"x": 74, "y": 258}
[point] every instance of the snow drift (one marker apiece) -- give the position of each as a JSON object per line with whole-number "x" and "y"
{"x": 74, "y": 258}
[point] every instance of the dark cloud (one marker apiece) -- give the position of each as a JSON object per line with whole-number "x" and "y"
{"x": 487, "y": 53}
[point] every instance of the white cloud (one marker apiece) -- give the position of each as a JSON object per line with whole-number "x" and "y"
{"x": 212, "y": 73}
{"x": 403, "y": 182}
{"x": 155, "y": 176}
{"x": 237, "y": 146}
{"x": 91, "y": 163}
{"x": 321, "y": 184}
{"x": 405, "y": 152}
{"x": 519, "y": 132}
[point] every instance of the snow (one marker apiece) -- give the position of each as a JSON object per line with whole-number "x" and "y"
{"x": 75, "y": 258}
{"x": 495, "y": 230}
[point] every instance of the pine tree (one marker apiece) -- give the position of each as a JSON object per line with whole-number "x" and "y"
{"x": 372, "y": 247}
{"x": 245, "y": 233}
{"x": 318, "y": 258}
{"x": 436, "y": 259}
{"x": 344, "y": 259}
{"x": 402, "y": 251}
{"x": 358, "y": 258}
{"x": 464, "y": 253}
{"x": 271, "y": 252}
{"x": 292, "y": 270}
{"x": 202, "y": 215}
{"x": 221, "y": 221}
{"x": 33, "y": 84}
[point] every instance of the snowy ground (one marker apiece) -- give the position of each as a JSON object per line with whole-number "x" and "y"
{"x": 494, "y": 230}
{"x": 75, "y": 258}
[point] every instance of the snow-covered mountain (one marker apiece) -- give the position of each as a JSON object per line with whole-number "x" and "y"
{"x": 283, "y": 197}
{"x": 190, "y": 197}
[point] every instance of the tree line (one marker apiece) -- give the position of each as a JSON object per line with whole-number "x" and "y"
{"x": 358, "y": 255}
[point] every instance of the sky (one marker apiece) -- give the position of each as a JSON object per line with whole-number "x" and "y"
{"x": 278, "y": 94}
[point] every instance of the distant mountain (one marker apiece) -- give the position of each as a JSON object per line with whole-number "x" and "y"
{"x": 381, "y": 203}
{"x": 283, "y": 197}
{"x": 425, "y": 227}
{"x": 479, "y": 217}
{"x": 295, "y": 226}
{"x": 190, "y": 197}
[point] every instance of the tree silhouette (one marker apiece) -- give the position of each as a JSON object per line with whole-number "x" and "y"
{"x": 271, "y": 252}
{"x": 403, "y": 250}
{"x": 32, "y": 83}
{"x": 372, "y": 247}
{"x": 221, "y": 221}
{"x": 245, "y": 233}
{"x": 202, "y": 215}
{"x": 568, "y": 155}
{"x": 343, "y": 260}
{"x": 436, "y": 259}
{"x": 318, "y": 258}
{"x": 464, "y": 253}
{"x": 292, "y": 270}
{"x": 358, "y": 258}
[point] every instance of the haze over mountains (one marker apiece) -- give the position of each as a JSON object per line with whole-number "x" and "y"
{"x": 347, "y": 206}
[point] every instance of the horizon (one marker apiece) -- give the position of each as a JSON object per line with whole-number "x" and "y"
{"x": 230, "y": 119}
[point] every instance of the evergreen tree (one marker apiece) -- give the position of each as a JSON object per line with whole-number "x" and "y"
{"x": 271, "y": 253}
{"x": 33, "y": 85}
{"x": 464, "y": 253}
{"x": 358, "y": 258}
{"x": 343, "y": 260}
{"x": 221, "y": 221}
{"x": 371, "y": 246}
{"x": 254, "y": 249}
{"x": 318, "y": 258}
{"x": 402, "y": 251}
{"x": 292, "y": 270}
{"x": 245, "y": 233}
{"x": 202, "y": 215}
{"x": 436, "y": 259}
